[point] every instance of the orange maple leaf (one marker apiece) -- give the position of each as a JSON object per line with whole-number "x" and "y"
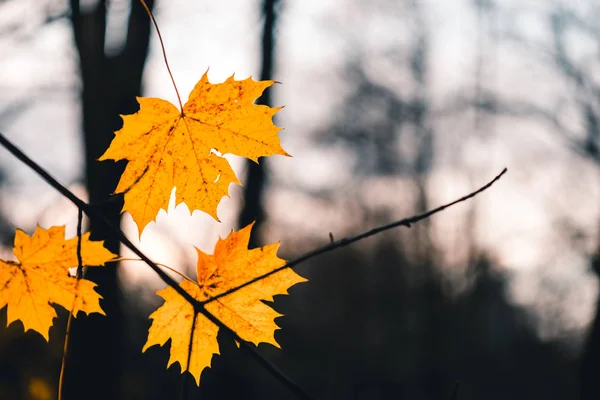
{"x": 41, "y": 277}
{"x": 167, "y": 148}
{"x": 242, "y": 310}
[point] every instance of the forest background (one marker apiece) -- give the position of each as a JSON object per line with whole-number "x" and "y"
{"x": 391, "y": 108}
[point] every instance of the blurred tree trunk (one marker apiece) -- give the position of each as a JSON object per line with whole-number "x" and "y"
{"x": 586, "y": 93}
{"x": 109, "y": 87}
{"x": 252, "y": 209}
{"x": 432, "y": 294}
{"x": 590, "y": 362}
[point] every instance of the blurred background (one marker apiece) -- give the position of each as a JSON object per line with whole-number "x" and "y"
{"x": 392, "y": 107}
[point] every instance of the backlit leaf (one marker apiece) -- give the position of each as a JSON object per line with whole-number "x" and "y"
{"x": 167, "y": 148}
{"x": 41, "y": 278}
{"x": 242, "y": 310}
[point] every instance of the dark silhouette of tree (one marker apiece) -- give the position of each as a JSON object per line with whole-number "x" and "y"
{"x": 6, "y": 230}
{"x": 587, "y": 95}
{"x": 590, "y": 361}
{"x": 583, "y": 94}
{"x": 110, "y": 84}
{"x": 252, "y": 209}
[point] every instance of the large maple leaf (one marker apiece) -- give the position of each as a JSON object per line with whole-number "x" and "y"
{"x": 168, "y": 148}
{"x": 242, "y": 310}
{"x": 41, "y": 278}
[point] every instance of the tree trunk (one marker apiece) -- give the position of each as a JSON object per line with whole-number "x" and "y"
{"x": 109, "y": 87}
{"x": 252, "y": 209}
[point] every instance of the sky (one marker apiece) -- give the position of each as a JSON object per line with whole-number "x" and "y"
{"x": 520, "y": 221}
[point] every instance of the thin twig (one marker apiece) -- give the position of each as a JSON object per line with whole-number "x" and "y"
{"x": 181, "y": 274}
{"x": 162, "y": 46}
{"x": 346, "y": 241}
{"x": 92, "y": 213}
{"x": 199, "y": 306}
{"x": 78, "y": 276}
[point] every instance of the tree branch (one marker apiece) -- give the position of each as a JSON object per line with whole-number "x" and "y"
{"x": 346, "y": 241}
{"x": 92, "y": 213}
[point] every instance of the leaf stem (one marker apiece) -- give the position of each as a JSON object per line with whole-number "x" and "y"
{"x": 164, "y": 52}
{"x": 181, "y": 274}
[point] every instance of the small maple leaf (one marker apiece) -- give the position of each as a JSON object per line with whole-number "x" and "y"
{"x": 168, "y": 148}
{"x": 242, "y": 310}
{"x": 41, "y": 277}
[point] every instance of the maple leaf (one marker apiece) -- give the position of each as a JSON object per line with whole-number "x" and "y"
{"x": 41, "y": 278}
{"x": 242, "y": 310}
{"x": 167, "y": 148}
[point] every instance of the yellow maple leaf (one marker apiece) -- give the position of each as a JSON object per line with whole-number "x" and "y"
{"x": 242, "y": 310}
{"x": 167, "y": 148}
{"x": 41, "y": 278}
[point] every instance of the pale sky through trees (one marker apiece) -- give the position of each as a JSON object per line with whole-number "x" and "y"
{"x": 520, "y": 222}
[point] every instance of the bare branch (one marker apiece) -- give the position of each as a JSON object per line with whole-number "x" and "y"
{"x": 93, "y": 213}
{"x": 407, "y": 222}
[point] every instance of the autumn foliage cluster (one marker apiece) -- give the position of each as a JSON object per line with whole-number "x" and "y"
{"x": 168, "y": 148}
